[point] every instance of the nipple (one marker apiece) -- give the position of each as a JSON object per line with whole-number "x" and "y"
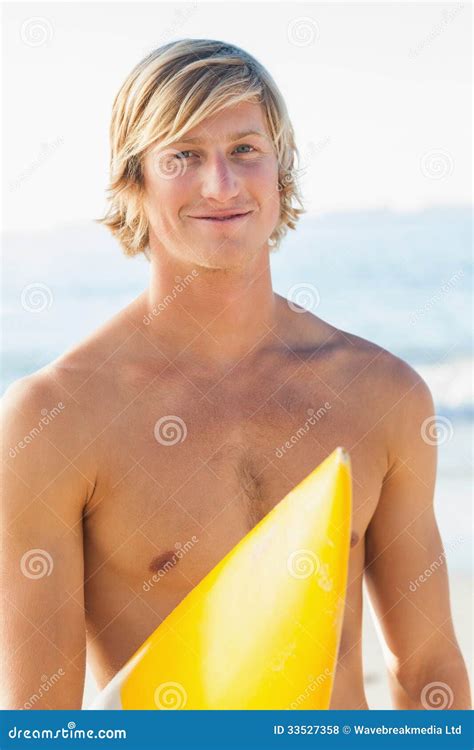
{"x": 165, "y": 561}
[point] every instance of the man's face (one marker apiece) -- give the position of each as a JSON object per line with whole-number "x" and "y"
{"x": 224, "y": 165}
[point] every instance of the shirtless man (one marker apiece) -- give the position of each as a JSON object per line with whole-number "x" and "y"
{"x": 174, "y": 422}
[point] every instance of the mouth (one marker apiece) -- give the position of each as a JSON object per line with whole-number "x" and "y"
{"x": 230, "y": 218}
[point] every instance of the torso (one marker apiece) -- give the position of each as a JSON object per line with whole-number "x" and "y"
{"x": 152, "y": 498}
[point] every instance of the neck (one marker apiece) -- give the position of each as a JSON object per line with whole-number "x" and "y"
{"x": 215, "y": 315}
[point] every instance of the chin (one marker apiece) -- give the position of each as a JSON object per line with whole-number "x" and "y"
{"x": 231, "y": 254}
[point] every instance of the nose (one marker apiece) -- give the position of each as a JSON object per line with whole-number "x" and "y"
{"x": 219, "y": 180}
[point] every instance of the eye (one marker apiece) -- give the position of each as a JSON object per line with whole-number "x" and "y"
{"x": 184, "y": 154}
{"x": 181, "y": 154}
{"x": 246, "y": 145}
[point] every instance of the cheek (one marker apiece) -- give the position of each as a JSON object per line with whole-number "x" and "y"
{"x": 163, "y": 199}
{"x": 270, "y": 197}
{"x": 268, "y": 188}
{"x": 161, "y": 183}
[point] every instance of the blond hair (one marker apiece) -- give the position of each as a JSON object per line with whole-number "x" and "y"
{"x": 170, "y": 91}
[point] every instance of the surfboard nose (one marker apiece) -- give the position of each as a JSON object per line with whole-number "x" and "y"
{"x": 244, "y": 636}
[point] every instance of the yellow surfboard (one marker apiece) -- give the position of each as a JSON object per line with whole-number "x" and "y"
{"x": 262, "y": 629}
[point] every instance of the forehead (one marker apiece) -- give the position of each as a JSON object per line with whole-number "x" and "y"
{"x": 235, "y": 120}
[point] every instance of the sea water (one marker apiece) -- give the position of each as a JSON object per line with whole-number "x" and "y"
{"x": 401, "y": 280}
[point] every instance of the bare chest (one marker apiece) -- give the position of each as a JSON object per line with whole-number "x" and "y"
{"x": 189, "y": 473}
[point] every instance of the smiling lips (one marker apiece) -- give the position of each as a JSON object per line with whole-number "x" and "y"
{"x": 223, "y": 216}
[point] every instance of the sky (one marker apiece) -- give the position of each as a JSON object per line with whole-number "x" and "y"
{"x": 378, "y": 93}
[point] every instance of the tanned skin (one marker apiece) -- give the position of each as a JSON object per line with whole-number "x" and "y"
{"x": 108, "y": 499}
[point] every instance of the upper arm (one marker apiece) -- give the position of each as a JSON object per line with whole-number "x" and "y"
{"x": 43, "y": 493}
{"x": 406, "y": 572}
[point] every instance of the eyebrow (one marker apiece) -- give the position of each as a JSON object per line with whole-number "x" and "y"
{"x": 230, "y": 136}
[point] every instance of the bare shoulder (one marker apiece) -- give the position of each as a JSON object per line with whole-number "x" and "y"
{"x": 39, "y": 405}
{"x": 31, "y": 396}
{"x": 110, "y": 342}
{"x": 383, "y": 375}
{"x": 358, "y": 359}
{"x": 392, "y": 390}
{"x": 84, "y": 372}
{"x": 382, "y": 368}
{"x": 51, "y": 419}
{"x": 378, "y": 386}
{"x": 48, "y": 465}
{"x": 66, "y": 394}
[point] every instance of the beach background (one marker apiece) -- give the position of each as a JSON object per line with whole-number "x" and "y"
{"x": 401, "y": 280}
{"x": 380, "y": 99}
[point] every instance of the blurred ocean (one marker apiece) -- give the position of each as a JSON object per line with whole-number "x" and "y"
{"x": 401, "y": 280}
